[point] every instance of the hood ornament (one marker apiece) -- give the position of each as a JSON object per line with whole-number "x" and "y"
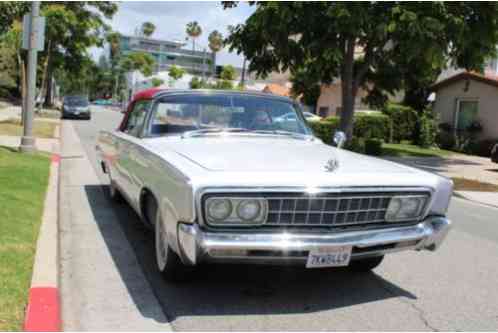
{"x": 332, "y": 165}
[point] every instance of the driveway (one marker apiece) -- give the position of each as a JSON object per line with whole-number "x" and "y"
{"x": 109, "y": 280}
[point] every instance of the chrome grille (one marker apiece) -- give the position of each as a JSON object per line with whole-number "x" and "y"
{"x": 327, "y": 211}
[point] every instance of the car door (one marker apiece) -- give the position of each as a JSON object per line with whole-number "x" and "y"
{"x": 128, "y": 145}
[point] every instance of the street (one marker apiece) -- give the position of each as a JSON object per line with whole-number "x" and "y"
{"x": 109, "y": 280}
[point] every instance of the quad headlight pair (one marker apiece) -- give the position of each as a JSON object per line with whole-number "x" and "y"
{"x": 236, "y": 211}
{"x": 402, "y": 208}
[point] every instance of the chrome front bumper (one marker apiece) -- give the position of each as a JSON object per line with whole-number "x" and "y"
{"x": 196, "y": 245}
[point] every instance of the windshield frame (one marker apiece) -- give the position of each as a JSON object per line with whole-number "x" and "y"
{"x": 159, "y": 98}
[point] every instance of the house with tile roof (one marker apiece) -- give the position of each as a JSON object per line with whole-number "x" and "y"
{"x": 467, "y": 97}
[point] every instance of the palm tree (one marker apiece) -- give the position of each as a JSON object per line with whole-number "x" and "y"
{"x": 148, "y": 29}
{"x": 113, "y": 39}
{"x": 215, "y": 41}
{"x": 194, "y": 30}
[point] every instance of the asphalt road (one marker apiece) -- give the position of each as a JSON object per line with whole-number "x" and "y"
{"x": 111, "y": 281}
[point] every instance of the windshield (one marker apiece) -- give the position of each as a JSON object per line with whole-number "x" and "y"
{"x": 203, "y": 114}
{"x": 76, "y": 101}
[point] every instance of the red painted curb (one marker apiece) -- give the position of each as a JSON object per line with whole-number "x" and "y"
{"x": 56, "y": 158}
{"x": 43, "y": 312}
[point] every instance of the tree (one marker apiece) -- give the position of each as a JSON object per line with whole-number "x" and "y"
{"x": 194, "y": 30}
{"x": 361, "y": 43}
{"x": 138, "y": 61}
{"x": 113, "y": 38}
{"x": 175, "y": 73}
{"x": 306, "y": 87}
{"x": 148, "y": 29}
{"x": 72, "y": 27}
{"x": 196, "y": 83}
{"x": 215, "y": 40}
{"x": 156, "y": 82}
{"x": 11, "y": 60}
{"x": 228, "y": 73}
{"x": 11, "y": 11}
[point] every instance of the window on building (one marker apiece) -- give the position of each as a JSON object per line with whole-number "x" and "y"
{"x": 466, "y": 113}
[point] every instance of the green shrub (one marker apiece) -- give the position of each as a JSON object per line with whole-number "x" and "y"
{"x": 324, "y": 129}
{"x": 372, "y": 126}
{"x": 480, "y": 148}
{"x": 403, "y": 119}
{"x": 373, "y": 147}
{"x": 446, "y": 140}
{"x": 427, "y": 131}
{"x": 356, "y": 144}
{"x": 365, "y": 126}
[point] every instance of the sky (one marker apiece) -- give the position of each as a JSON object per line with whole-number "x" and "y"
{"x": 170, "y": 19}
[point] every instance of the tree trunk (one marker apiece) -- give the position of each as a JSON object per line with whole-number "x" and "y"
{"x": 348, "y": 87}
{"x": 44, "y": 81}
{"x": 48, "y": 96}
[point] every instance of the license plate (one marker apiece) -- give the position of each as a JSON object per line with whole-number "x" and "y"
{"x": 331, "y": 256}
{"x": 76, "y": 112}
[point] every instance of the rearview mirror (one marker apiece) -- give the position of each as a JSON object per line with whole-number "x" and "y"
{"x": 339, "y": 139}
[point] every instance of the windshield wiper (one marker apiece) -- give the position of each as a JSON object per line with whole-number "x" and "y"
{"x": 286, "y": 133}
{"x": 199, "y": 132}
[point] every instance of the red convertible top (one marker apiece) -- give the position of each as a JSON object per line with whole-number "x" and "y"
{"x": 143, "y": 94}
{"x": 146, "y": 94}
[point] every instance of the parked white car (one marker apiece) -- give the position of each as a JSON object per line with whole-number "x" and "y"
{"x": 291, "y": 116}
{"x": 220, "y": 181}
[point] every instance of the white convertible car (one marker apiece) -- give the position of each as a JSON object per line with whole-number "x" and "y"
{"x": 219, "y": 181}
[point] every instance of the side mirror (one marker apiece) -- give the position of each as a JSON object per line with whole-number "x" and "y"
{"x": 339, "y": 139}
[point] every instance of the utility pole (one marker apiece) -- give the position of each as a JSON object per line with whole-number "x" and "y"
{"x": 27, "y": 140}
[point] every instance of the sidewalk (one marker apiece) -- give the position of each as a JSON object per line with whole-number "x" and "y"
{"x": 103, "y": 287}
{"x": 40, "y": 143}
{"x": 463, "y": 166}
{"x": 486, "y": 198}
{"x": 14, "y": 111}
{"x": 459, "y": 166}
{"x": 10, "y": 112}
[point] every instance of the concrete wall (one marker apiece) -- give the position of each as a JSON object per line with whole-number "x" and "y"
{"x": 486, "y": 95}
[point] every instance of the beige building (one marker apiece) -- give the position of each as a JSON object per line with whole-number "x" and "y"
{"x": 330, "y": 101}
{"x": 467, "y": 97}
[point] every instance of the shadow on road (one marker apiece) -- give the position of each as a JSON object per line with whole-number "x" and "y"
{"x": 236, "y": 289}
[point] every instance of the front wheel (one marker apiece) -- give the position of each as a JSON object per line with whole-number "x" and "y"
{"x": 168, "y": 262}
{"x": 365, "y": 265}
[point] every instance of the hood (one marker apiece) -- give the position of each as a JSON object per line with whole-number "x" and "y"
{"x": 265, "y": 154}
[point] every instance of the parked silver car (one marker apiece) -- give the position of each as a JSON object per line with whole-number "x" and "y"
{"x": 220, "y": 181}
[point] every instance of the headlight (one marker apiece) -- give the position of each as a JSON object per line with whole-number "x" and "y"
{"x": 405, "y": 207}
{"x": 235, "y": 211}
{"x": 249, "y": 209}
{"x": 219, "y": 209}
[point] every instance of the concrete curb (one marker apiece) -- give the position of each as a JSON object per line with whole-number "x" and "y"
{"x": 43, "y": 312}
{"x": 460, "y": 195}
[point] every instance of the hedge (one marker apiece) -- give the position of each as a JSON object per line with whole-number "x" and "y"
{"x": 365, "y": 126}
{"x": 404, "y": 120}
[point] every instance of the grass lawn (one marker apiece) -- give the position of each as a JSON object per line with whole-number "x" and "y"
{"x": 23, "y": 182}
{"x": 462, "y": 184}
{"x": 41, "y": 129}
{"x": 407, "y": 150}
